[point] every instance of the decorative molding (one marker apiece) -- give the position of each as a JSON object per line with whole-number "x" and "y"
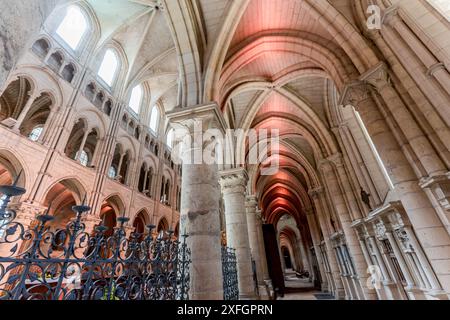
{"x": 389, "y": 15}
{"x": 208, "y": 115}
{"x": 316, "y": 192}
{"x": 251, "y": 202}
{"x": 440, "y": 187}
{"x": 233, "y": 181}
{"x": 435, "y": 68}
{"x": 354, "y": 93}
{"x": 337, "y": 159}
{"x": 380, "y": 230}
{"x": 377, "y": 77}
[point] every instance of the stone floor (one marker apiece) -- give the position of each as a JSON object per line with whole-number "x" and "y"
{"x": 298, "y": 289}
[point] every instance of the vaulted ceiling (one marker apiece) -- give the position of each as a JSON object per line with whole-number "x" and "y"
{"x": 281, "y": 69}
{"x": 269, "y": 64}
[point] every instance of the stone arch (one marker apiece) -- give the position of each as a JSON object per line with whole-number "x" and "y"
{"x": 163, "y": 225}
{"x": 189, "y": 51}
{"x": 112, "y": 208}
{"x": 76, "y": 186}
{"x": 339, "y": 68}
{"x": 56, "y": 60}
{"x": 41, "y": 47}
{"x": 69, "y": 71}
{"x": 289, "y": 239}
{"x": 93, "y": 119}
{"x": 221, "y": 46}
{"x": 37, "y": 117}
{"x": 124, "y": 155}
{"x": 15, "y": 97}
{"x": 345, "y": 34}
{"x": 59, "y": 200}
{"x": 140, "y": 222}
{"x": 76, "y": 138}
{"x": 10, "y": 167}
{"x": 42, "y": 80}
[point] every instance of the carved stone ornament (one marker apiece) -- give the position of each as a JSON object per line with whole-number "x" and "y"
{"x": 354, "y": 93}
{"x": 378, "y": 77}
{"x": 380, "y": 230}
{"x": 233, "y": 181}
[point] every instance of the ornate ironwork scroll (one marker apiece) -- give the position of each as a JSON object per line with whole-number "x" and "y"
{"x": 230, "y": 277}
{"x": 37, "y": 263}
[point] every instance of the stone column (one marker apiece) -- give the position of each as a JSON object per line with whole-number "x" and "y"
{"x": 387, "y": 282}
{"x": 24, "y": 112}
{"x": 83, "y": 143}
{"x": 233, "y": 183}
{"x": 436, "y": 287}
{"x": 424, "y": 57}
{"x": 253, "y": 237}
{"x": 367, "y": 256}
{"x": 47, "y": 126}
{"x": 199, "y": 214}
{"x": 431, "y": 233}
{"x": 119, "y": 167}
{"x": 144, "y": 186}
{"x": 316, "y": 243}
{"x": 401, "y": 261}
{"x": 379, "y": 78}
{"x": 304, "y": 255}
{"x": 318, "y": 198}
{"x": 342, "y": 210}
{"x": 262, "y": 246}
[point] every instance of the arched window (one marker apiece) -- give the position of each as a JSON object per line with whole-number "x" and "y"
{"x": 109, "y": 66}
{"x": 36, "y": 133}
{"x": 136, "y": 98}
{"x": 83, "y": 158}
{"x": 73, "y": 27}
{"x": 169, "y": 140}
{"x": 112, "y": 172}
{"x": 154, "y": 119}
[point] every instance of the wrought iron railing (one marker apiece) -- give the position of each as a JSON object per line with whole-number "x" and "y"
{"x": 230, "y": 276}
{"x": 72, "y": 264}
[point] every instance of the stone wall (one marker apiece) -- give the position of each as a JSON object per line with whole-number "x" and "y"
{"x": 19, "y": 21}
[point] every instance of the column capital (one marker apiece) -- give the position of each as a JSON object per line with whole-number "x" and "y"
{"x": 355, "y": 92}
{"x": 316, "y": 192}
{"x": 259, "y": 215}
{"x": 309, "y": 211}
{"x": 377, "y": 77}
{"x": 233, "y": 180}
{"x": 377, "y": 229}
{"x": 435, "y": 68}
{"x": 251, "y": 201}
{"x": 206, "y": 116}
{"x": 337, "y": 159}
{"x": 390, "y": 15}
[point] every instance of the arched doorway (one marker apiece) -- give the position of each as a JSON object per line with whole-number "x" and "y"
{"x": 287, "y": 258}
{"x": 111, "y": 209}
{"x": 163, "y": 227}
{"x": 139, "y": 225}
{"x": 60, "y": 199}
{"x": 9, "y": 171}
